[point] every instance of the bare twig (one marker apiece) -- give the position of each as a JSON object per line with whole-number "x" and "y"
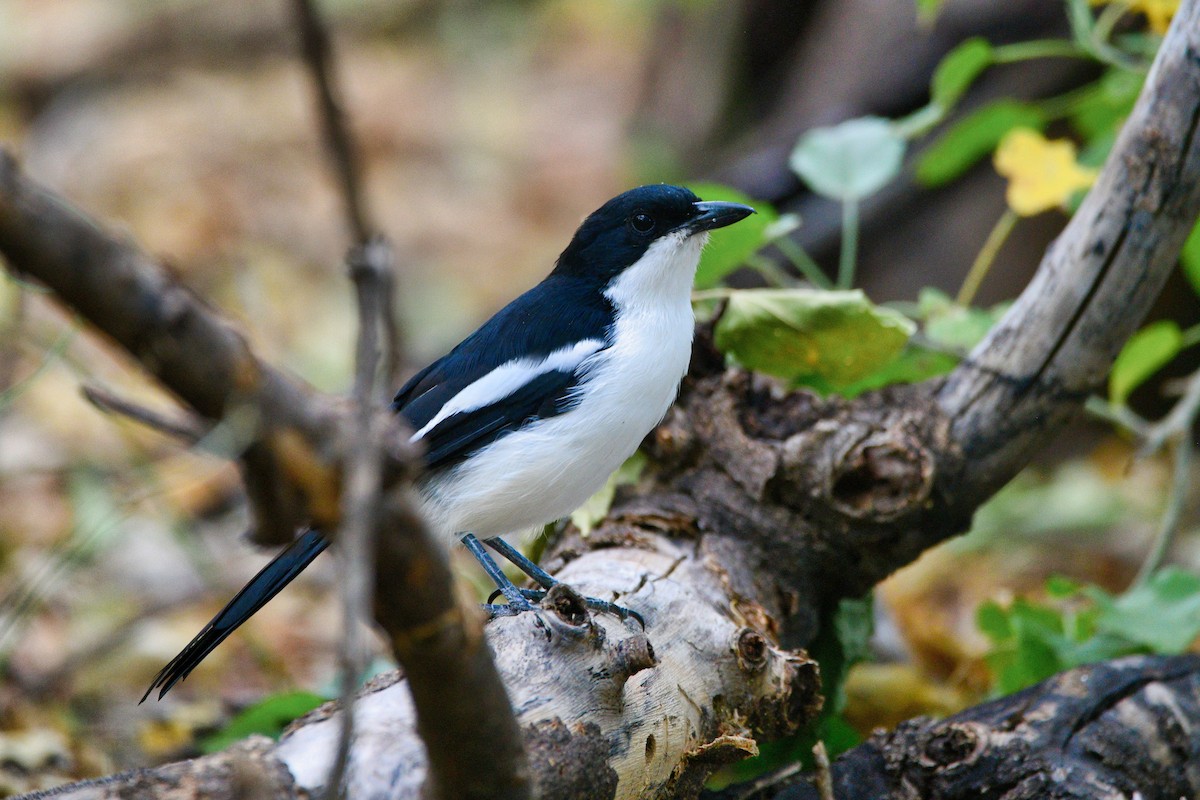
{"x": 10, "y": 352}
{"x": 187, "y": 428}
{"x": 315, "y": 45}
{"x": 1174, "y": 429}
{"x": 823, "y": 777}
{"x": 361, "y": 498}
{"x": 317, "y": 52}
{"x": 371, "y": 270}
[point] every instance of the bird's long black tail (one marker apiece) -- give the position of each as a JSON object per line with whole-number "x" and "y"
{"x": 253, "y": 596}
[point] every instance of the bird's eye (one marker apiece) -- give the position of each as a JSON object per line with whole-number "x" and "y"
{"x": 642, "y": 223}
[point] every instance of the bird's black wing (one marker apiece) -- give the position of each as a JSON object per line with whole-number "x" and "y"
{"x": 459, "y": 435}
{"x": 528, "y": 329}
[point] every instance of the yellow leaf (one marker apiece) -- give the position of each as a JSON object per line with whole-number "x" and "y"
{"x": 1041, "y": 174}
{"x": 1158, "y": 12}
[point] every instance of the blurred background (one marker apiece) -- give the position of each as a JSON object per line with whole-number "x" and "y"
{"x": 488, "y": 130}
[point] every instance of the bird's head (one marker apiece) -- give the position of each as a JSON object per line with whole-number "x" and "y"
{"x": 650, "y": 237}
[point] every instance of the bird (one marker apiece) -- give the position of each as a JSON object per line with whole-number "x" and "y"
{"x": 527, "y": 417}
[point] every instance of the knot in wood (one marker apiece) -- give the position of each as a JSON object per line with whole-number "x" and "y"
{"x": 752, "y": 649}
{"x": 631, "y": 656}
{"x": 569, "y": 612}
{"x": 881, "y": 477}
{"x": 955, "y": 744}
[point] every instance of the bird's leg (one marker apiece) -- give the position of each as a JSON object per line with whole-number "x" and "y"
{"x": 548, "y": 581}
{"x": 522, "y": 562}
{"x": 516, "y": 599}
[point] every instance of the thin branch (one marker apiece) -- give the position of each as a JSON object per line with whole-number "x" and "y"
{"x": 187, "y": 428}
{"x": 1175, "y": 429}
{"x": 316, "y": 49}
{"x": 363, "y": 486}
{"x": 823, "y": 779}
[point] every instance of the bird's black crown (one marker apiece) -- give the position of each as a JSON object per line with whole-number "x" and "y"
{"x": 617, "y": 234}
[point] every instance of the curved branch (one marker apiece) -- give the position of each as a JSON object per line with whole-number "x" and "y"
{"x": 763, "y": 507}
{"x": 1056, "y": 344}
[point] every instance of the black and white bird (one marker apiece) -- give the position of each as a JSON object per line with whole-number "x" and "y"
{"x": 528, "y": 416}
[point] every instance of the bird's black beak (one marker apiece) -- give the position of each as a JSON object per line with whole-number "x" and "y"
{"x": 716, "y": 214}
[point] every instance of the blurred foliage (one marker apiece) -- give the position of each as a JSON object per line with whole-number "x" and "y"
{"x": 850, "y": 161}
{"x": 267, "y": 717}
{"x": 1080, "y": 624}
{"x": 737, "y": 244}
{"x": 1146, "y": 352}
{"x": 972, "y": 138}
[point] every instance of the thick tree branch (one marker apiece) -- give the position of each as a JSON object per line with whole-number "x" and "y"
{"x": 1102, "y": 732}
{"x": 763, "y": 507}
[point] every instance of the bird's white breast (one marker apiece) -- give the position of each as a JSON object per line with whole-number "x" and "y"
{"x": 549, "y": 468}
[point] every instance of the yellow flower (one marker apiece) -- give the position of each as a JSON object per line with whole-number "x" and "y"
{"x": 1041, "y": 174}
{"x": 1158, "y": 12}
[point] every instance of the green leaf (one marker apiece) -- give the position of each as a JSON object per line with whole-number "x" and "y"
{"x": 1101, "y": 110}
{"x": 992, "y": 621}
{"x": 913, "y": 365}
{"x": 1162, "y": 614}
{"x": 1146, "y": 352}
{"x": 268, "y": 717}
{"x": 958, "y": 69}
{"x": 1086, "y": 624}
{"x": 729, "y": 247}
{"x": 1189, "y": 259}
{"x": 849, "y": 161}
{"x": 1060, "y": 586}
{"x": 831, "y": 339}
{"x": 972, "y": 138}
{"x": 1029, "y": 642}
{"x": 927, "y": 10}
{"x": 954, "y": 325}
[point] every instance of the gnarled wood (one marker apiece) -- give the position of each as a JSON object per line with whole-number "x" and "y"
{"x": 763, "y": 507}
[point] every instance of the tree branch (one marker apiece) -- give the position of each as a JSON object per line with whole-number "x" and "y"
{"x": 763, "y": 507}
{"x": 1101, "y": 732}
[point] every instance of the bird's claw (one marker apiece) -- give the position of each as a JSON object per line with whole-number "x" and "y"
{"x": 537, "y": 595}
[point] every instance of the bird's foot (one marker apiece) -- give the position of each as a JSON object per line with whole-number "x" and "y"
{"x": 494, "y": 610}
{"x": 537, "y": 595}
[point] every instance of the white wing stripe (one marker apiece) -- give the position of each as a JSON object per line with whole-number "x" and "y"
{"x": 508, "y": 378}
